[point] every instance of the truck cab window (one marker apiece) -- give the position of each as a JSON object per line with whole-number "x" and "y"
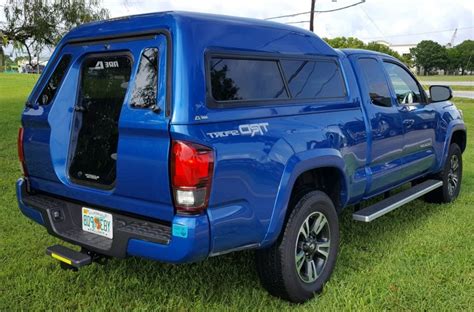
{"x": 405, "y": 86}
{"x": 376, "y": 83}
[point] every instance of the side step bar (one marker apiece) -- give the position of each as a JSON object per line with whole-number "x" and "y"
{"x": 385, "y": 206}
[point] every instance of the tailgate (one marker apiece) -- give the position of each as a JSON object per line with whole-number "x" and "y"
{"x": 102, "y": 137}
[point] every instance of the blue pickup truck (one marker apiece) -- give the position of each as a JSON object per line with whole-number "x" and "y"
{"x": 179, "y": 136}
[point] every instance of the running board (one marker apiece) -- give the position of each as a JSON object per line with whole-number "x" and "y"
{"x": 385, "y": 206}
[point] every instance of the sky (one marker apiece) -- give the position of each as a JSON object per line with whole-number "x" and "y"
{"x": 394, "y": 21}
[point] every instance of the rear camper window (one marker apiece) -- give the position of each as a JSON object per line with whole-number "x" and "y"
{"x": 54, "y": 81}
{"x": 313, "y": 79}
{"x": 246, "y": 79}
{"x": 103, "y": 85}
{"x": 146, "y": 80}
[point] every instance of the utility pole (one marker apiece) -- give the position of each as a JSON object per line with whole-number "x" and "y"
{"x": 311, "y": 18}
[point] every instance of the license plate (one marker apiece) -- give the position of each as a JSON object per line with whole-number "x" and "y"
{"x": 97, "y": 222}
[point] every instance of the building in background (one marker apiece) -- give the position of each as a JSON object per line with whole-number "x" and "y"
{"x": 37, "y": 68}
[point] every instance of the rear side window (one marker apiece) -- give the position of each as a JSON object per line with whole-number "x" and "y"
{"x": 146, "y": 80}
{"x": 313, "y": 79}
{"x": 54, "y": 81}
{"x": 246, "y": 79}
{"x": 376, "y": 82}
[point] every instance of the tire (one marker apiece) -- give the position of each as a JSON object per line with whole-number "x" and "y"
{"x": 277, "y": 265}
{"x": 451, "y": 177}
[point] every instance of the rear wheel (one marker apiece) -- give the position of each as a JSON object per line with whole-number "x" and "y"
{"x": 301, "y": 261}
{"x": 451, "y": 177}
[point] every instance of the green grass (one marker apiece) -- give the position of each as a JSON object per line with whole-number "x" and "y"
{"x": 447, "y": 78}
{"x": 418, "y": 258}
{"x": 462, "y": 88}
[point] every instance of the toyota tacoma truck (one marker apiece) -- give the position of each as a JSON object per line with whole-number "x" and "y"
{"x": 179, "y": 136}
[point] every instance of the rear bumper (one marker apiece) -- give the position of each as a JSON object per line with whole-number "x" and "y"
{"x": 186, "y": 239}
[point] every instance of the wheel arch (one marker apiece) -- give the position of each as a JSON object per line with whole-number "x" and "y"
{"x": 460, "y": 138}
{"x": 298, "y": 168}
{"x": 456, "y": 134}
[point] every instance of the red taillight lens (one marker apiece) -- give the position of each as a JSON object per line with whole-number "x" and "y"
{"x": 21, "y": 153}
{"x": 191, "y": 175}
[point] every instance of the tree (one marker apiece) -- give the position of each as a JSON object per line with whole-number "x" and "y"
{"x": 32, "y": 25}
{"x": 454, "y": 61}
{"x": 374, "y": 46}
{"x": 429, "y": 55}
{"x": 2, "y": 58}
{"x": 354, "y": 43}
{"x": 465, "y": 52}
{"x": 345, "y": 43}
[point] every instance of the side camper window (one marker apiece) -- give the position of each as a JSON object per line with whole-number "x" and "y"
{"x": 258, "y": 80}
{"x": 314, "y": 79}
{"x": 146, "y": 80}
{"x": 54, "y": 81}
{"x": 246, "y": 79}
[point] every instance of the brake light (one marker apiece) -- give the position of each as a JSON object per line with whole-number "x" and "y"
{"x": 21, "y": 153}
{"x": 191, "y": 174}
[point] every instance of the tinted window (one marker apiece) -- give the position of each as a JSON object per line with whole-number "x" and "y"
{"x": 103, "y": 85}
{"x": 376, "y": 83}
{"x": 238, "y": 79}
{"x": 310, "y": 79}
{"x": 55, "y": 81}
{"x": 146, "y": 80}
{"x": 405, "y": 86}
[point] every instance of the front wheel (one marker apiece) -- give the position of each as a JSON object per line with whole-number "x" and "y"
{"x": 451, "y": 177}
{"x": 302, "y": 260}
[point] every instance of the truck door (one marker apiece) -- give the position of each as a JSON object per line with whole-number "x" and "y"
{"x": 103, "y": 136}
{"x": 385, "y": 139}
{"x": 419, "y": 121}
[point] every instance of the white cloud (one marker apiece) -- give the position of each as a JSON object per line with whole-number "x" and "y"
{"x": 390, "y": 19}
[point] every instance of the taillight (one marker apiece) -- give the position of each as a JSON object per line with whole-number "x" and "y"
{"x": 21, "y": 153}
{"x": 191, "y": 174}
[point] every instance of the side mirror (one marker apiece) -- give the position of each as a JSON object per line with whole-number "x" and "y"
{"x": 440, "y": 93}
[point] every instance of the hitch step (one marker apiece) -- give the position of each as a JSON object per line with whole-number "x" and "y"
{"x": 393, "y": 202}
{"x": 68, "y": 256}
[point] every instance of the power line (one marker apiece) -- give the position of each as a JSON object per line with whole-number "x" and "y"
{"x": 421, "y": 33}
{"x": 325, "y": 11}
{"x": 373, "y": 22}
{"x": 298, "y": 22}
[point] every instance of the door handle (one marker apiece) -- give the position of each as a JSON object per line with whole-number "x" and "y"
{"x": 408, "y": 122}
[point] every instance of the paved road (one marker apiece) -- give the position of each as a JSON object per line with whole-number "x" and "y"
{"x": 466, "y": 94}
{"x": 448, "y": 83}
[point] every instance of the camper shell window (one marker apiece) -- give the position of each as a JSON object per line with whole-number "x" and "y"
{"x": 235, "y": 80}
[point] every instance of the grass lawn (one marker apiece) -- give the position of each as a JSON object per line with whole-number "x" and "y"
{"x": 417, "y": 258}
{"x": 462, "y": 88}
{"x": 447, "y": 78}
